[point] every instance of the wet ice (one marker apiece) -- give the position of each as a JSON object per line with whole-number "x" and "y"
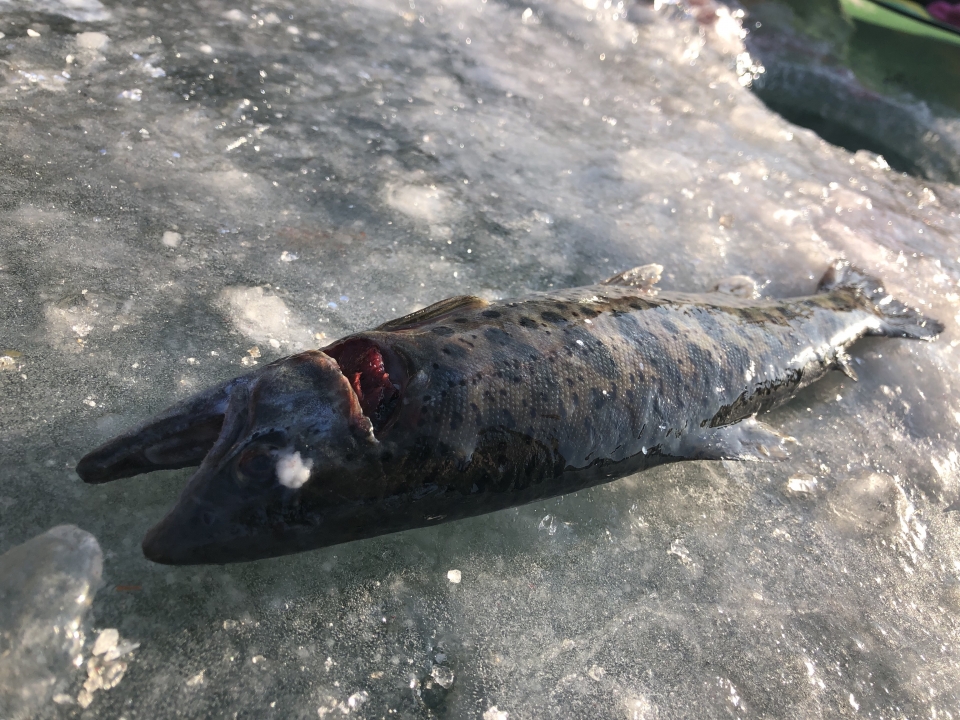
{"x": 392, "y": 164}
{"x": 47, "y": 585}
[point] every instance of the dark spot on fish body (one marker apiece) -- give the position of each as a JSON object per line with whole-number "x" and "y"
{"x": 460, "y": 320}
{"x": 442, "y": 330}
{"x": 599, "y": 399}
{"x": 527, "y": 322}
{"x": 455, "y": 351}
{"x": 552, "y": 317}
{"x": 497, "y": 336}
{"x": 669, "y": 326}
{"x": 490, "y": 314}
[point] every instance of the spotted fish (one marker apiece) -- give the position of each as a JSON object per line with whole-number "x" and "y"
{"x": 469, "y": 406}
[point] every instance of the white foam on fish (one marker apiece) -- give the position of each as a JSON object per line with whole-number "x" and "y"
{"x": 292, "y": 471}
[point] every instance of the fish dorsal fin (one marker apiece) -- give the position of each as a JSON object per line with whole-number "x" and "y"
{"x": 432, "y": 312}
{"x": 643, "y": 277}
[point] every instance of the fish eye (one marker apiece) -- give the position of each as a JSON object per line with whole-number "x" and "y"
{"x": 256, "y": 463}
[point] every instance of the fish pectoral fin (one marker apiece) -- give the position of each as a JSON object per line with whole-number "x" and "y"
{"x": 748, "y": 439}
{"x": 642, "y": 277}
{"x": 844, "y": 363}
{"x": 433, "y": 312}
{"x": 179, "y": 437}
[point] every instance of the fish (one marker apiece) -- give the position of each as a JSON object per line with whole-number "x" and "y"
{"x": 471, "y": 406}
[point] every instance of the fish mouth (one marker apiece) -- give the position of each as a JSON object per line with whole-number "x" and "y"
{"x": 182, "y": 538}
{"x": 358, "y": 380}
{"x": 166, "y": 543}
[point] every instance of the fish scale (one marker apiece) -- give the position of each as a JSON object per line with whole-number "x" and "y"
{"x": 694, "y": 358}
{"x": 468, "y": 407}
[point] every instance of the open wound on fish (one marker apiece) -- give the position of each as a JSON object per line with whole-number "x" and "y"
{"x": 363, "y": 365}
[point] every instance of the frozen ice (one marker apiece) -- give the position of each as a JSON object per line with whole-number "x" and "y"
{"x": 264, "y": 317}
{"x": 47, "y": 586}
{"x": 91, "y": 40}
{"x": 171, "y": 239}
{"x": 105, "y": 668}
{"x": 390, "y": 154}
{"x": 82, "y": 11}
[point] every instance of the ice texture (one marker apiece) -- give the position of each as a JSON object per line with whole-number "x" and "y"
{"x": 47, "y": 585}
{"x": 193, "y": 188}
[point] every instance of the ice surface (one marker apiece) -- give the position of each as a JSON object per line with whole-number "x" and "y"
{"x": 191, "y": 188}
{"x": 47, "y": 585}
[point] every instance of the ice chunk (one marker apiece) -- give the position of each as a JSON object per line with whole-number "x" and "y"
{"x": 105, "y": 668}
{"x": 171, "y": 239}
{"x": 423, "y": 203}
{"x": 442, "y": 675}
{"x": 91, "y": 40}
{"x": 46, "y": 587}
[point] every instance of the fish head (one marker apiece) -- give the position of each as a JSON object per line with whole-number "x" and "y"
{"x": 287, "y": 424}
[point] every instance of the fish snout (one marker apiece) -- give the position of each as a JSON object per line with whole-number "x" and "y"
{"x": 187, "y": 536}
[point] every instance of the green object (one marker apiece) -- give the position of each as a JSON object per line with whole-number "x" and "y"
{"x": 902, "y": 15}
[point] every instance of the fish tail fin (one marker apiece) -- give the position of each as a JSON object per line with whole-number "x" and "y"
{"x": 897, "y": 319}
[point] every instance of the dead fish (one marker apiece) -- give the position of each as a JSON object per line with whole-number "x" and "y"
{"x": 469, "y": 406}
